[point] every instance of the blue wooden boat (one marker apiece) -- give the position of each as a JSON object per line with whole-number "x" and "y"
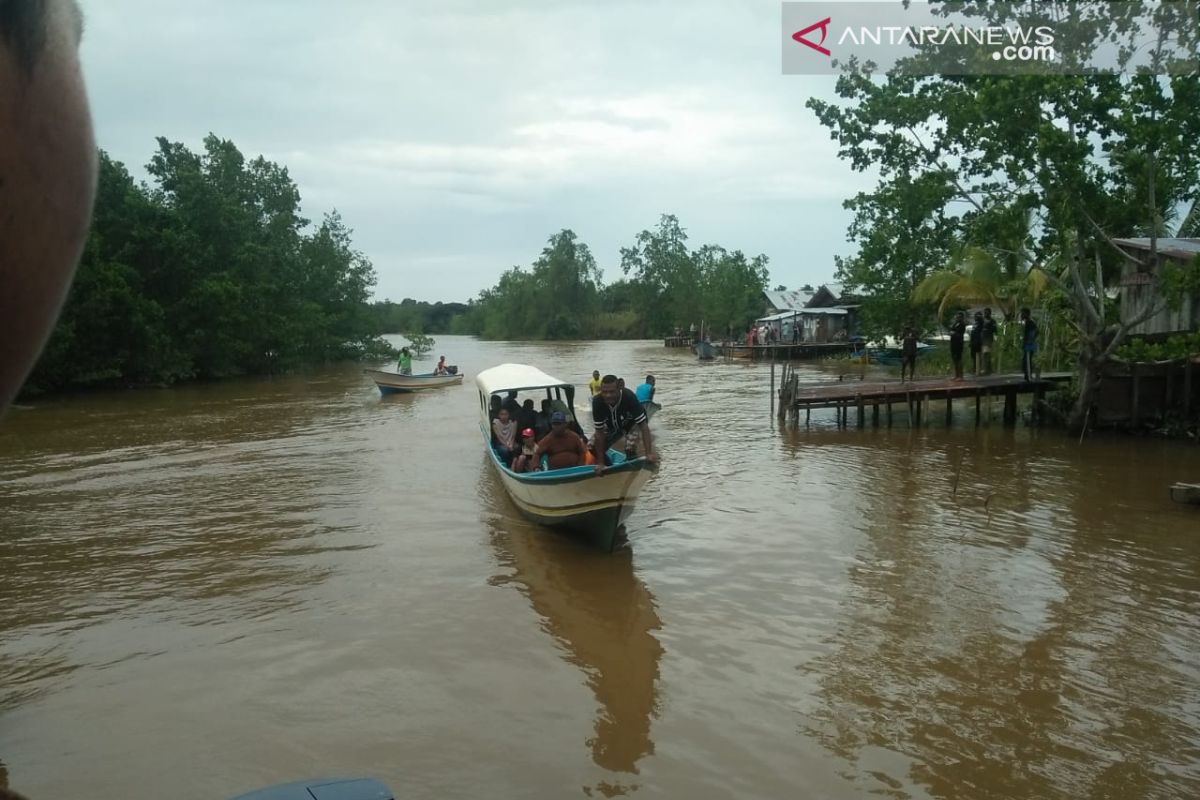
{"x": 394, "y": 382}
{"x": 324, "y": 789}
{"x": 889, "y": 355}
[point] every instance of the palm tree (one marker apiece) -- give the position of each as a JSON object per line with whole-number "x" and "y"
{"x": 979, "y": 277}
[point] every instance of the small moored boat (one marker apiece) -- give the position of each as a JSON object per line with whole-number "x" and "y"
{"x": 392, "y": 382}
{"x": 574, "y": 499}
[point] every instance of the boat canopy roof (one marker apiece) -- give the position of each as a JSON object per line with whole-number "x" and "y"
{"x": 516, "y": 377}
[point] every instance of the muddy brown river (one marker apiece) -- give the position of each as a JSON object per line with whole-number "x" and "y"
{"x": 208, "y": 589}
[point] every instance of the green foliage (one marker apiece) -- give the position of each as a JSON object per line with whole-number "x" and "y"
{"x": 1040, "y": 171}
{"x": 413, "y": 315}
{"x": 1182, "y": 345}
{"x": 419, "y": 343}
{"x": 666, "y": 285}
{"x": 1180, "y": 282}
{"x": 212, "y": 272}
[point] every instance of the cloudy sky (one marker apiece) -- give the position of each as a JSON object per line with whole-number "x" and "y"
{"x": 455, "y": 137}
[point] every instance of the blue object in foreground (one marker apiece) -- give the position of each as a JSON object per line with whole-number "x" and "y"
{"x": 324, "y": 789}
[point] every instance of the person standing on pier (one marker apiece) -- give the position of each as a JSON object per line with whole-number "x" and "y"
{"x": 1029, "y": 334}
{"x": 957, "y": 329}
{"x": 594, "y": 383}
{"x": 908, "y": 354}
{"x": 976, "y": 343}
{"x": 989, "y": 339}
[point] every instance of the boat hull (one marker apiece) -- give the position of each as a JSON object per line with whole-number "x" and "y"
{"x": 1186, "y": 493}
{"x": 577, "y": 501}
{"x": 395, "y": 383}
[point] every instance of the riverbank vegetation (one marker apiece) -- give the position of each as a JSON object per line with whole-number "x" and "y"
{"x": 664, "y": 285}
{"x": 1014, "y": 189}
{"x": 210, "y": 272}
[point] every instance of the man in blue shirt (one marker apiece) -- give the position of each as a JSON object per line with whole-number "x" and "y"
{"x": 645, "y": 392}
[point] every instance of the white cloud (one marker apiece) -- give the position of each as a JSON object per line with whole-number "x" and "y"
{"x": 473, "y": 131}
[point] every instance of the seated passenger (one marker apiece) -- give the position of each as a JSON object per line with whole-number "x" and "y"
{"x": 512, "y": 404}
{"x": 527, "y": 418}
{"x": 504, "y": 436}
{"x": 562, "y": 447}
{"x": 541, "y": 425}
{"x": 440, "y": 369}
{"x": 525, "y": 461}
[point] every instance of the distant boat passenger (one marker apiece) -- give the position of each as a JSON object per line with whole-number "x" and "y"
{"x": 645, "y": 392}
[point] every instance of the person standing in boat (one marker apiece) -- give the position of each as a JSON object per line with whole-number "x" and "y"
{"x": 615, "y": 412}
{"x": 405, "y": 364}
{"x": 645, "y": 391}
{"x": 594, "y": 383}
{"x": 958, "y": 329}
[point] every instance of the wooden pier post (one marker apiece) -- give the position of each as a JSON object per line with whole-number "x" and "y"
{"x": 977, "y": 409}
{"x": 772, "y": 389}
{"x": 1135, "y": 389}
{"x": 1187, "y": 388}
{"x": 889, "y": 414}
{"x": 875, "y": 415}
{"x": 1010, "y": 408}
{"x": 807, "y": 413}
{"x": 949, "y": 409}
{"x": 862, "y": 412}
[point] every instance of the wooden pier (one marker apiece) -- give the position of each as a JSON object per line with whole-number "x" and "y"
{"x": 916, "y": 396}
{"x": 801, "y": 351}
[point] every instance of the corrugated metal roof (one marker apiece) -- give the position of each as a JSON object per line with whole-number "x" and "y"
{"x": 1175, "y": 248}
{"x": 792, "y": 298}
{"x": 801, "y": 312}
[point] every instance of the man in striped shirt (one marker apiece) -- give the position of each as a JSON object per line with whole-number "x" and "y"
{"x": 615, "y": 412}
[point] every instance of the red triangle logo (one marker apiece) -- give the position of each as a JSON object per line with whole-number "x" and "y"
{"x": 824, "y": 26}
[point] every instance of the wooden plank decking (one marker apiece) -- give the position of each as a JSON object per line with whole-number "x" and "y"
{"x": 914, "y": 395}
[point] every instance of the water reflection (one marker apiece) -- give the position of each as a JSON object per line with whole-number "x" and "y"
{"x": 604, "y": 618}
{"x": 973, "y": 659}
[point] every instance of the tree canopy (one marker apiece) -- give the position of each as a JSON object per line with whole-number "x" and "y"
{"x": 1041, "y": 172}
{"x": 210, "y": 272}
{"x": 665, "y": 285}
